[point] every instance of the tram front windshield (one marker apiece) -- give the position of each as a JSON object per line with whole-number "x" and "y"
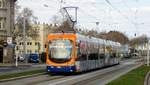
{"x": 60, "y": 50}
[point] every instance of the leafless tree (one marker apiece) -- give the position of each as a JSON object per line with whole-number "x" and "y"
{"x": 30, "y": 19}
{"x": 138, "y": 40}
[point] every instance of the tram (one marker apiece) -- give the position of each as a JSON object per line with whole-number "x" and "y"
{"x": 73, "y": 52}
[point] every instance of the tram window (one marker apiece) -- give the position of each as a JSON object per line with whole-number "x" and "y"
{"x": 93, "y": 57}
{"x": 82, "y": 58}
{"x": 102, "y": 56}
{"x": 114, "y": 54}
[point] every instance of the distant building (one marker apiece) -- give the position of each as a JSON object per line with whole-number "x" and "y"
{"x": 33, "y": 45}
{"x": 142, "y": 48}
{"x": 6, "y": 27}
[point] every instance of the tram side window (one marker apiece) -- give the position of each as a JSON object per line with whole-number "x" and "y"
{"x": 114, "y": 54}
{"x": 102, "y": 56}
{"x": 111, "y": 55}
{"x": 82, "y": 58}
{"x": 93, "y": 57}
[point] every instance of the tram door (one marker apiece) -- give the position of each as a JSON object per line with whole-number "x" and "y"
{"x": 1, "y": 54}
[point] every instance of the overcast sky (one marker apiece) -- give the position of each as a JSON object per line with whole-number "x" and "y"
{"x": 127, "y": 16}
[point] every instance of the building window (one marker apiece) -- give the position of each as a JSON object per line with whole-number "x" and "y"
{"x": 1, "y": 4}
{"x": 36, "y": 51}
{"x": 3, "y": 24}
{"x": 30, "y": 43}
{"x": 0, "y": 24}
{"x": 20, "y": 43}
{"x": 36, "y": 43}
{"x": 29, "y": 51}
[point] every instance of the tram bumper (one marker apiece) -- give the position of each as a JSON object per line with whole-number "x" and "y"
{"x": 61, "y": 69}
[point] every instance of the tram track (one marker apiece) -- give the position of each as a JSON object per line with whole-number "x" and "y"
{"x": 106, "y": 75}
{"x": 48, "y": 79}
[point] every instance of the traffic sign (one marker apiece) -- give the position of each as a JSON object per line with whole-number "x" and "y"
{"x": 9, "y": 40}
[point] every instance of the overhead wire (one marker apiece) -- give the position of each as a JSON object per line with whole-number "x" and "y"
{"x": 125, "y": 4}
{"x": 126, "y": 17}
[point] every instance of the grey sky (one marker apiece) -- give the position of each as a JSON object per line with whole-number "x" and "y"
{"x": 128, "y": 16}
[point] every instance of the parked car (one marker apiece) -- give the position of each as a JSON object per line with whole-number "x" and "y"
{"x": 135, "y": 54}
{"x": 21, "y": 58}
{"x": 33, "y": 58}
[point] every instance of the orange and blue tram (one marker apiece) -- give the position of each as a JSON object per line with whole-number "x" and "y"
{"x": 73, "y": 52}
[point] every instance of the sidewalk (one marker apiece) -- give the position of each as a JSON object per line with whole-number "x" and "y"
{"x": 11, "y": 68}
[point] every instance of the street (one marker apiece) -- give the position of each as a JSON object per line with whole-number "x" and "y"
{"x": 98, "y": 77}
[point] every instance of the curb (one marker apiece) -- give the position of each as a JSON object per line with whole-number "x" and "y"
{"x": 21, "y": 77}
{"x": 146, "y": 78}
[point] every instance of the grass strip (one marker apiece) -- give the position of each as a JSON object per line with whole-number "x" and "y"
{"x": 134, "y": 77}
{"x": 19, "y": 74}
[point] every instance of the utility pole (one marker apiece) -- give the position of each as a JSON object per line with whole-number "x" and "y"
{"x": 24, "y": 37}
{"x": 148, "y": 52}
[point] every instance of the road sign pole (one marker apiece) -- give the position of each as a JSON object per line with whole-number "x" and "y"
{"x": 16, "y": 60}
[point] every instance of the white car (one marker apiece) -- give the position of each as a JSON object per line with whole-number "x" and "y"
{"x": 135, "y": 54}
{"x": 21, "y": 58}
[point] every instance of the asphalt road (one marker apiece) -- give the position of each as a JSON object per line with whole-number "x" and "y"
{"x": 98, "y": 77}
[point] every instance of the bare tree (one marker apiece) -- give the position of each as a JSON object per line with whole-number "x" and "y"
{"x": 138, "y": 40}
{"x": 117, "y": 36}
{"x": 26, "y": 14}
{"x": 65, "y": 26}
